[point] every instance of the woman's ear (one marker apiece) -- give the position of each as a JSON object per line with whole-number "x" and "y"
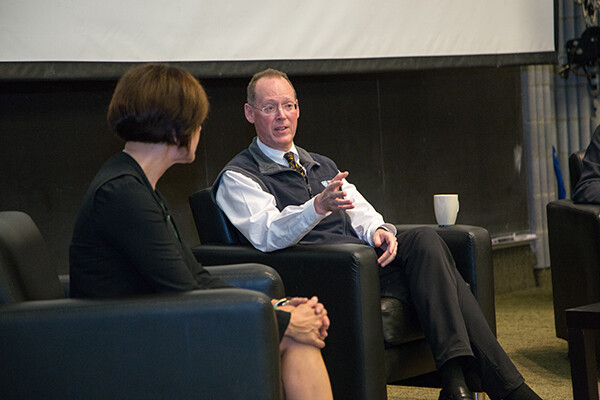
{"x": 175, "y": 138}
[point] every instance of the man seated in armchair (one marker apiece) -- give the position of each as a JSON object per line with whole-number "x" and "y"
{"x": 277, "y": 194}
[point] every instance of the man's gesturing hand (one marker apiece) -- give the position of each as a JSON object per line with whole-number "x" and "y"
{"x": 332, "y": 198}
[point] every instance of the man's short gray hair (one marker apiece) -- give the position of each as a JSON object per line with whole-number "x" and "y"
{"x": 270, "y": 72}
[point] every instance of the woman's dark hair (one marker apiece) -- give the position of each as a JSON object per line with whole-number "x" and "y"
{"x": 156, "y": 103}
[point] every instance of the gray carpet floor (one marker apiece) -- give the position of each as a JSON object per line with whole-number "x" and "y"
{"x": 525, "y": 326}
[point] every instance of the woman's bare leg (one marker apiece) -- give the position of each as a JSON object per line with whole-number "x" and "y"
{"x": 303, "y": 371}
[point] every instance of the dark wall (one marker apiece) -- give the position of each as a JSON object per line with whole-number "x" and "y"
{"x": 402, "y": 136}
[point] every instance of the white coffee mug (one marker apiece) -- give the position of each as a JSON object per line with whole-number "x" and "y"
{"x": 446, "y": 208}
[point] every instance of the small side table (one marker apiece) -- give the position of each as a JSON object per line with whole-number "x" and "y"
{"x": 582, "y": 322}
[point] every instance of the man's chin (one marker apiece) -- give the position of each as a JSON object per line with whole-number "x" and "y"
{"x": 283, "y": 143}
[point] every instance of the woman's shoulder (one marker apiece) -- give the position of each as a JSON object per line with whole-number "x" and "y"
{"x": 124, "y": 196}
{"x": 118, "y": 180}
{"x": 122, "y": 183}
{"x": 118, "y": 169}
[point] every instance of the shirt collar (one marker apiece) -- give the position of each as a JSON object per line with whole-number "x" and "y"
{"x": 277, "y": 155}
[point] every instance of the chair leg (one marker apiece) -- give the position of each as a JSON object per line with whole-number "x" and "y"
{"x": 582, "y": 355}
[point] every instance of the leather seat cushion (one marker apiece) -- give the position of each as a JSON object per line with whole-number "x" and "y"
{"x": 400, "y": 322}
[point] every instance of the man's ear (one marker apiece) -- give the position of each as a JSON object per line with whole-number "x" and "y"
{"x": 249, "y": 112}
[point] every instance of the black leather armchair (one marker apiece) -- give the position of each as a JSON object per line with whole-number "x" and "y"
{"x": 217, "y": 344}
{"x": 574, "y": 244}
{"x": 372, "y": 341}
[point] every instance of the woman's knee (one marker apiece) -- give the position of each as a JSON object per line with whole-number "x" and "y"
{"x": 293, "y": 352}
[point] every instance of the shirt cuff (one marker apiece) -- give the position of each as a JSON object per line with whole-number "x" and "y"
{"x": 283, "y": 320}
{"x": 390, "y": 228}
{"x": 386, "y": 226}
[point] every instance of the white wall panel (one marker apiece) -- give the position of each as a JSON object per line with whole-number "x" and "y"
{"x": 246, "y": 30}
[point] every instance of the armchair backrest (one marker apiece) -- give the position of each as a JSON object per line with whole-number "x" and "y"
{"x": 212, "y": 224}
{"x": 26, "y": 271}
{"x": 575, "y": 167}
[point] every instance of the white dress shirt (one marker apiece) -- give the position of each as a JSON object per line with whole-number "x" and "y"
{"x": 255, "y": 214}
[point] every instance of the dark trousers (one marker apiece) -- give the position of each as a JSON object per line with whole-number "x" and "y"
{"x": 425, "y": 276}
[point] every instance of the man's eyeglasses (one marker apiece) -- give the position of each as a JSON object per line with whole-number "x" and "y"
{"x": 272, "y": 109}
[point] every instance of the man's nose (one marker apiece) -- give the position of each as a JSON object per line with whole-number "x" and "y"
{"x": 280, "y": 113}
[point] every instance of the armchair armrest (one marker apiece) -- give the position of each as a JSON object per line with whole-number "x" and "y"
{"x": 251, "y": 276}
{"x": 245, "y": 276}
{"x": 345, "y": 277}
{"x": 471, "y": 248}
{"x": 574, "y": 243}
{"x": 219, "y": 344}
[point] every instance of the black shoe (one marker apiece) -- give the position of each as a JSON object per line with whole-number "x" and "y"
{"x": 458, "y": 393}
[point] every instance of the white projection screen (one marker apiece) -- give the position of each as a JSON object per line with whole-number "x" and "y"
{"x": 224, "y": 37}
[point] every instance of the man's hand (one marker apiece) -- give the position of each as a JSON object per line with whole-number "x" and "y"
{"x": 308, "y": 322}
{"x": 387, "y": 241}
{"x": 332, "y": 198}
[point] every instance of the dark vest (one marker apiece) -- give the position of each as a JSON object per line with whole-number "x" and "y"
{"x": 289, "y": 188}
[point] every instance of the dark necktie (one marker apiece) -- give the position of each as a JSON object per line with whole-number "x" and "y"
{"x": 289, "y": 156}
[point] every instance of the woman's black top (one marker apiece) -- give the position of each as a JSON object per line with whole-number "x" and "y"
{"x": 126, "y": 243}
